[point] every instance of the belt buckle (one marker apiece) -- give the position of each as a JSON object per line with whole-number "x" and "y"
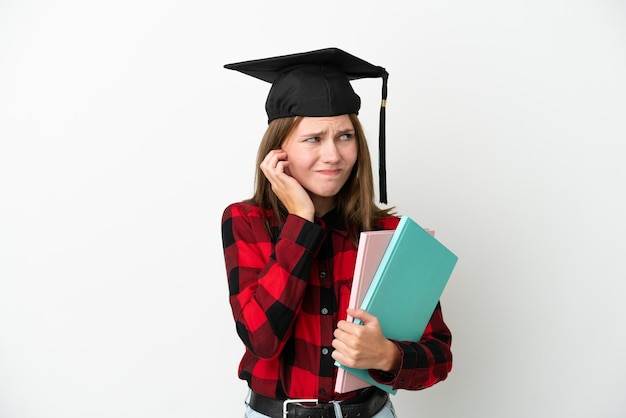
{"x": 290, "y": 401}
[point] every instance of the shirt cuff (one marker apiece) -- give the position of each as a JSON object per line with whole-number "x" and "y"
{"x": 302, "y": 231}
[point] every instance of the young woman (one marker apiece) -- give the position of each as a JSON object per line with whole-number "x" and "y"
{"x": 290, "y": 253}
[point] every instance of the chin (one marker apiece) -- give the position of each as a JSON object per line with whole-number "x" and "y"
{"x": 327, "y": 193}
{"x": 323, "y": 194}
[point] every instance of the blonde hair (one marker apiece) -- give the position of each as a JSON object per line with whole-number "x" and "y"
{"x": 355, "y": 200}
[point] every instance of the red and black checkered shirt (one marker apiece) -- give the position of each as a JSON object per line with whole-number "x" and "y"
{"x": 287, "y": 294}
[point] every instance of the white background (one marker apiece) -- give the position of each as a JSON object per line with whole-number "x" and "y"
{"x": 123, "y": 138}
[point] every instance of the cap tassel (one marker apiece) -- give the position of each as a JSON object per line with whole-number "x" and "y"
{"x": 382, "y": 166}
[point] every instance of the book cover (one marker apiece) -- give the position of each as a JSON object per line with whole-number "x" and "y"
{"x": 407, "y": 285}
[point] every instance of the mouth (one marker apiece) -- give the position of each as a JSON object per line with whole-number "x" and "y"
{"x": 332, "y": 173}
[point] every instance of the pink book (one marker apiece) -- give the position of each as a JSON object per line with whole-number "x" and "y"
{"x": 372, "y": 246}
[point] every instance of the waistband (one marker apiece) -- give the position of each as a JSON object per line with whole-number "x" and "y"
{"x": 365, "y": 405}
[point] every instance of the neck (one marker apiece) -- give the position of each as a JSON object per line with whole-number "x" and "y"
{"x": 323, "y": 205}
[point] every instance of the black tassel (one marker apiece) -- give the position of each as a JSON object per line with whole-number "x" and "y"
{"x": 382, "y": 165}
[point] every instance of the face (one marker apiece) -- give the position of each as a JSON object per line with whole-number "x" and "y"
{"x": 321, "y": 152}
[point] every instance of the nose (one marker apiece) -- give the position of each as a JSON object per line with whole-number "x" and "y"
{"x": 330, "y": 152}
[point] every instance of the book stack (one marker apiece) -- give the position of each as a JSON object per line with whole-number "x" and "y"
{"x": 399, "y": 277}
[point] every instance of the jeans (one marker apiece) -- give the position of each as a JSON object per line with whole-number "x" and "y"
{"x": 386, "y": 412}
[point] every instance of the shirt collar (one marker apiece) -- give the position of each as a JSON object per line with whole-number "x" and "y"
{"x": 333, "y": 221}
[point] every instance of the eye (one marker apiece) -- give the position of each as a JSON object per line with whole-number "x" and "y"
{"x": 313, "y": 139}
{"x": 346, "y": 137}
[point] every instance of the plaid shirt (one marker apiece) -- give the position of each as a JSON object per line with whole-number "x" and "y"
{"x": 287, "y": 297}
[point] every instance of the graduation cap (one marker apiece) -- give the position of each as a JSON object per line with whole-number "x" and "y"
{"x": 317, "y": 83}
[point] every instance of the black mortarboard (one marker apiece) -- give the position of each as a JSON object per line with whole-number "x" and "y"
{"x": 317, "y": 83}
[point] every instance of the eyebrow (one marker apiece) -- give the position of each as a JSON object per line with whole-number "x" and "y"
{"x": 320, "y": 133}
{"x": 346, "y": 131}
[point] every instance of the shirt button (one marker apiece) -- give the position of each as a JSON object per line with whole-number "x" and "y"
{"x": 322, "y": 392}
{"x": 324, "y": 311}
{"x": 324, "y": 351}
{"x": 322, "y": 274}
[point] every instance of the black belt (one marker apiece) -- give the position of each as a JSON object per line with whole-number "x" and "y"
{"x": 364, "y": 405}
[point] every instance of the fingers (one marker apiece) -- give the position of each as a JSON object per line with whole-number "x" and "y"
{"x": 347, "y": 336}
{"x": 353, "y": 346}
{"x": 363, "y": 315}
{"x": 274, "y": 164}
{"x": 346, "y": 329}
{"x": 343, "y": 351}
{"x": 339, "y": 354}
{"x": 363, "y": 346}
{"x": 296, "y": 200}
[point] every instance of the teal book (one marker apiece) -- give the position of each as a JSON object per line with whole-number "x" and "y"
{"x": 406, "y": 287}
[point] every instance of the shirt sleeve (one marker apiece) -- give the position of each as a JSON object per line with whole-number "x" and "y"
{"x": 266, "y": 281}
{"x": 425, "y": 362}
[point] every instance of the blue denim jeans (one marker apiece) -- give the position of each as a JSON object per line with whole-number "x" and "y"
{"x": 386, "y": 412}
